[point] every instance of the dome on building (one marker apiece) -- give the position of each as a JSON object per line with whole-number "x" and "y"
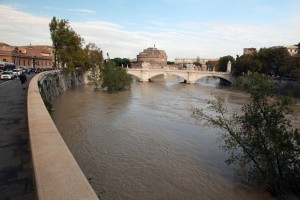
{"x": 153, "y": 56}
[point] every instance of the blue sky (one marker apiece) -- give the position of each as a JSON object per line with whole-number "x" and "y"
{"x": 183, "y": 28}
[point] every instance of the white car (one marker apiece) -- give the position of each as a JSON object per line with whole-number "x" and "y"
{"x": 17, "y": 72}
{"x": 7, "y": 75}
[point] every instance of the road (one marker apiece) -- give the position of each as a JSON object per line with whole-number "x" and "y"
{"x": 16, "y": 172}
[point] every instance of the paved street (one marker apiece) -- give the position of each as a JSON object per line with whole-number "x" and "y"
{"x": 16, "y": 173}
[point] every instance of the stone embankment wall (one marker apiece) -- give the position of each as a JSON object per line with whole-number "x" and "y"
{"x": 57, "y": 174}
{"x": 53, "y": 84}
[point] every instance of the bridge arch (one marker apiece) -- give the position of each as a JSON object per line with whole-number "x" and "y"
{"x": 190, "y": 76}
{"x": 184, "y": 76}
{"x": 135, "y": 74}
{"x": 152, "y": 75}
{"x": 220, "y": 76}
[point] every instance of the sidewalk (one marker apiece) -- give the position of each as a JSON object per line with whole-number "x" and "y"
{"x": 16, "y": 172}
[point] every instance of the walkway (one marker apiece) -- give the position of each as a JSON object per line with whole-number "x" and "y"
{"x": 16, "y": 172}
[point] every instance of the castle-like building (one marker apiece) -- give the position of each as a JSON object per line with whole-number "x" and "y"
{"x": 27, "y": 56}
{"x": 154, "y": 57}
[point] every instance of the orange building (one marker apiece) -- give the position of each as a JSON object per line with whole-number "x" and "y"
{"x": 39, "y": 56}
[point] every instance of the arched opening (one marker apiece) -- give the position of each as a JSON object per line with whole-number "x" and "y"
{"x": 167, "y": 79}
{"x": 214, "y": 81}
{"x": 135, "y": 78}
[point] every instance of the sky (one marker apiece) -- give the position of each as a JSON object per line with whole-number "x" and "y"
{"x": 183, "y": 28}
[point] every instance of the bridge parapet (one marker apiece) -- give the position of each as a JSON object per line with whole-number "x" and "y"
{"x": 191, "y": 76}
{"x": 57, "y": 174}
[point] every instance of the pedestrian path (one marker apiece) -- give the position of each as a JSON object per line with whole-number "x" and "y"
{"x": 16, "y": 171}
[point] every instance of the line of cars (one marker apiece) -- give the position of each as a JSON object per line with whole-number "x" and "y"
{"x": 12, "y": 74}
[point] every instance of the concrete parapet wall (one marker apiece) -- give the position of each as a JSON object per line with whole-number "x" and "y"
{"x": 57, "y": 174}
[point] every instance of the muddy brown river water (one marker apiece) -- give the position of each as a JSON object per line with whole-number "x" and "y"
{"x": 143, "y": 144}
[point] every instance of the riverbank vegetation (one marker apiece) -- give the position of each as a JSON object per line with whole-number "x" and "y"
{"x": 70, "y": 54}
{"x": 115, "y": 78}
{"x": 261, "y": 139}
{"x": 275, "y": 62}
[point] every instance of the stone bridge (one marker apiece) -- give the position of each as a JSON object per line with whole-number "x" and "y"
{"x": 191, "y": 76}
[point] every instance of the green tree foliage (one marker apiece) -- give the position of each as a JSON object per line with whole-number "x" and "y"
{"x": 122, "y": 62}
{"x": 67, "y": 45}
{"x": 211, "y": 65}
{"x": 94, "y": 62}
{"x": 274, "y": 60}
{"x": 292, "y": 69}
{"x": 247, "y": 63}
{"x": 261, "y": 140}
{"x": 222, "y": 63}
{"x": 197, "y": 64}
{"x": 115, "y": 78}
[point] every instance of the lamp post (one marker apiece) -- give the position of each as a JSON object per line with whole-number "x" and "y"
{"x": 55, "y": 54}
{"x": 33, "y": 61}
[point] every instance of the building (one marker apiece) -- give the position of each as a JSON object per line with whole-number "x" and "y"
{"x": 189, "y": 61}
{"x": 202, "y": 61}
{"x": 249, "y": 51}
{"x": 293, "y": 49}
{"x": 156, "y": 58}
{"x": 39, "y": 56}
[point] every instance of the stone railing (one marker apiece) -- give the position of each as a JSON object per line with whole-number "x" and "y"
{"x": 57, "y": 174}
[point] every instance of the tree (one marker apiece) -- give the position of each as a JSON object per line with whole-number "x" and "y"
{"x": 94, "y": 62}
{"x": 122, "y": 62}
{"x": 115, "y": 78}
{"x": 211, "y": 65}
{"x": 197, "y": 64}
{"x": 261, "y": 139}
{"x": 223, "y": 61}
{"x": 292, "y": 69}
{"x": 245, "y": 64}
{"x": 67, "y": 44}
{"x": 274, "y": 60}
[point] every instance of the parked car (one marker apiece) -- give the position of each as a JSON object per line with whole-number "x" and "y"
{"x": 25, "y": 71}
{"x": 38, "y": 70}
{"x": 32, "y": 70}
{"x": 7, "y": 75}
{"x": 17, "y": 72}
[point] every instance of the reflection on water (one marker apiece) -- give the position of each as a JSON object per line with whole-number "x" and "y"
{"x": 143, "y": 143}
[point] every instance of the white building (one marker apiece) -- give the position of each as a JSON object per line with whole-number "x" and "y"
{"x": 293, "y": 50}
{"x": 202, "y": 61}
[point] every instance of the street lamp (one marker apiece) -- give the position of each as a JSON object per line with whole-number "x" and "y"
{"x": 33, "y": 61}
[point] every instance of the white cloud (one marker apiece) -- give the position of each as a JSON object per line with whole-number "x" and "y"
{"x": 191, "y": 39}
{"x": 19, "y": 28}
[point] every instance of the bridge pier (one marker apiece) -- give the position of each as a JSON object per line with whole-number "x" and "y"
{"x": 191, "y": 82}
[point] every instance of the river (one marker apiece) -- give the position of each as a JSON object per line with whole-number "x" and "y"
{"x": 144, "y": 144}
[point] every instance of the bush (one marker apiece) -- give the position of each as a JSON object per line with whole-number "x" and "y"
{"x": 261, "y": 140}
